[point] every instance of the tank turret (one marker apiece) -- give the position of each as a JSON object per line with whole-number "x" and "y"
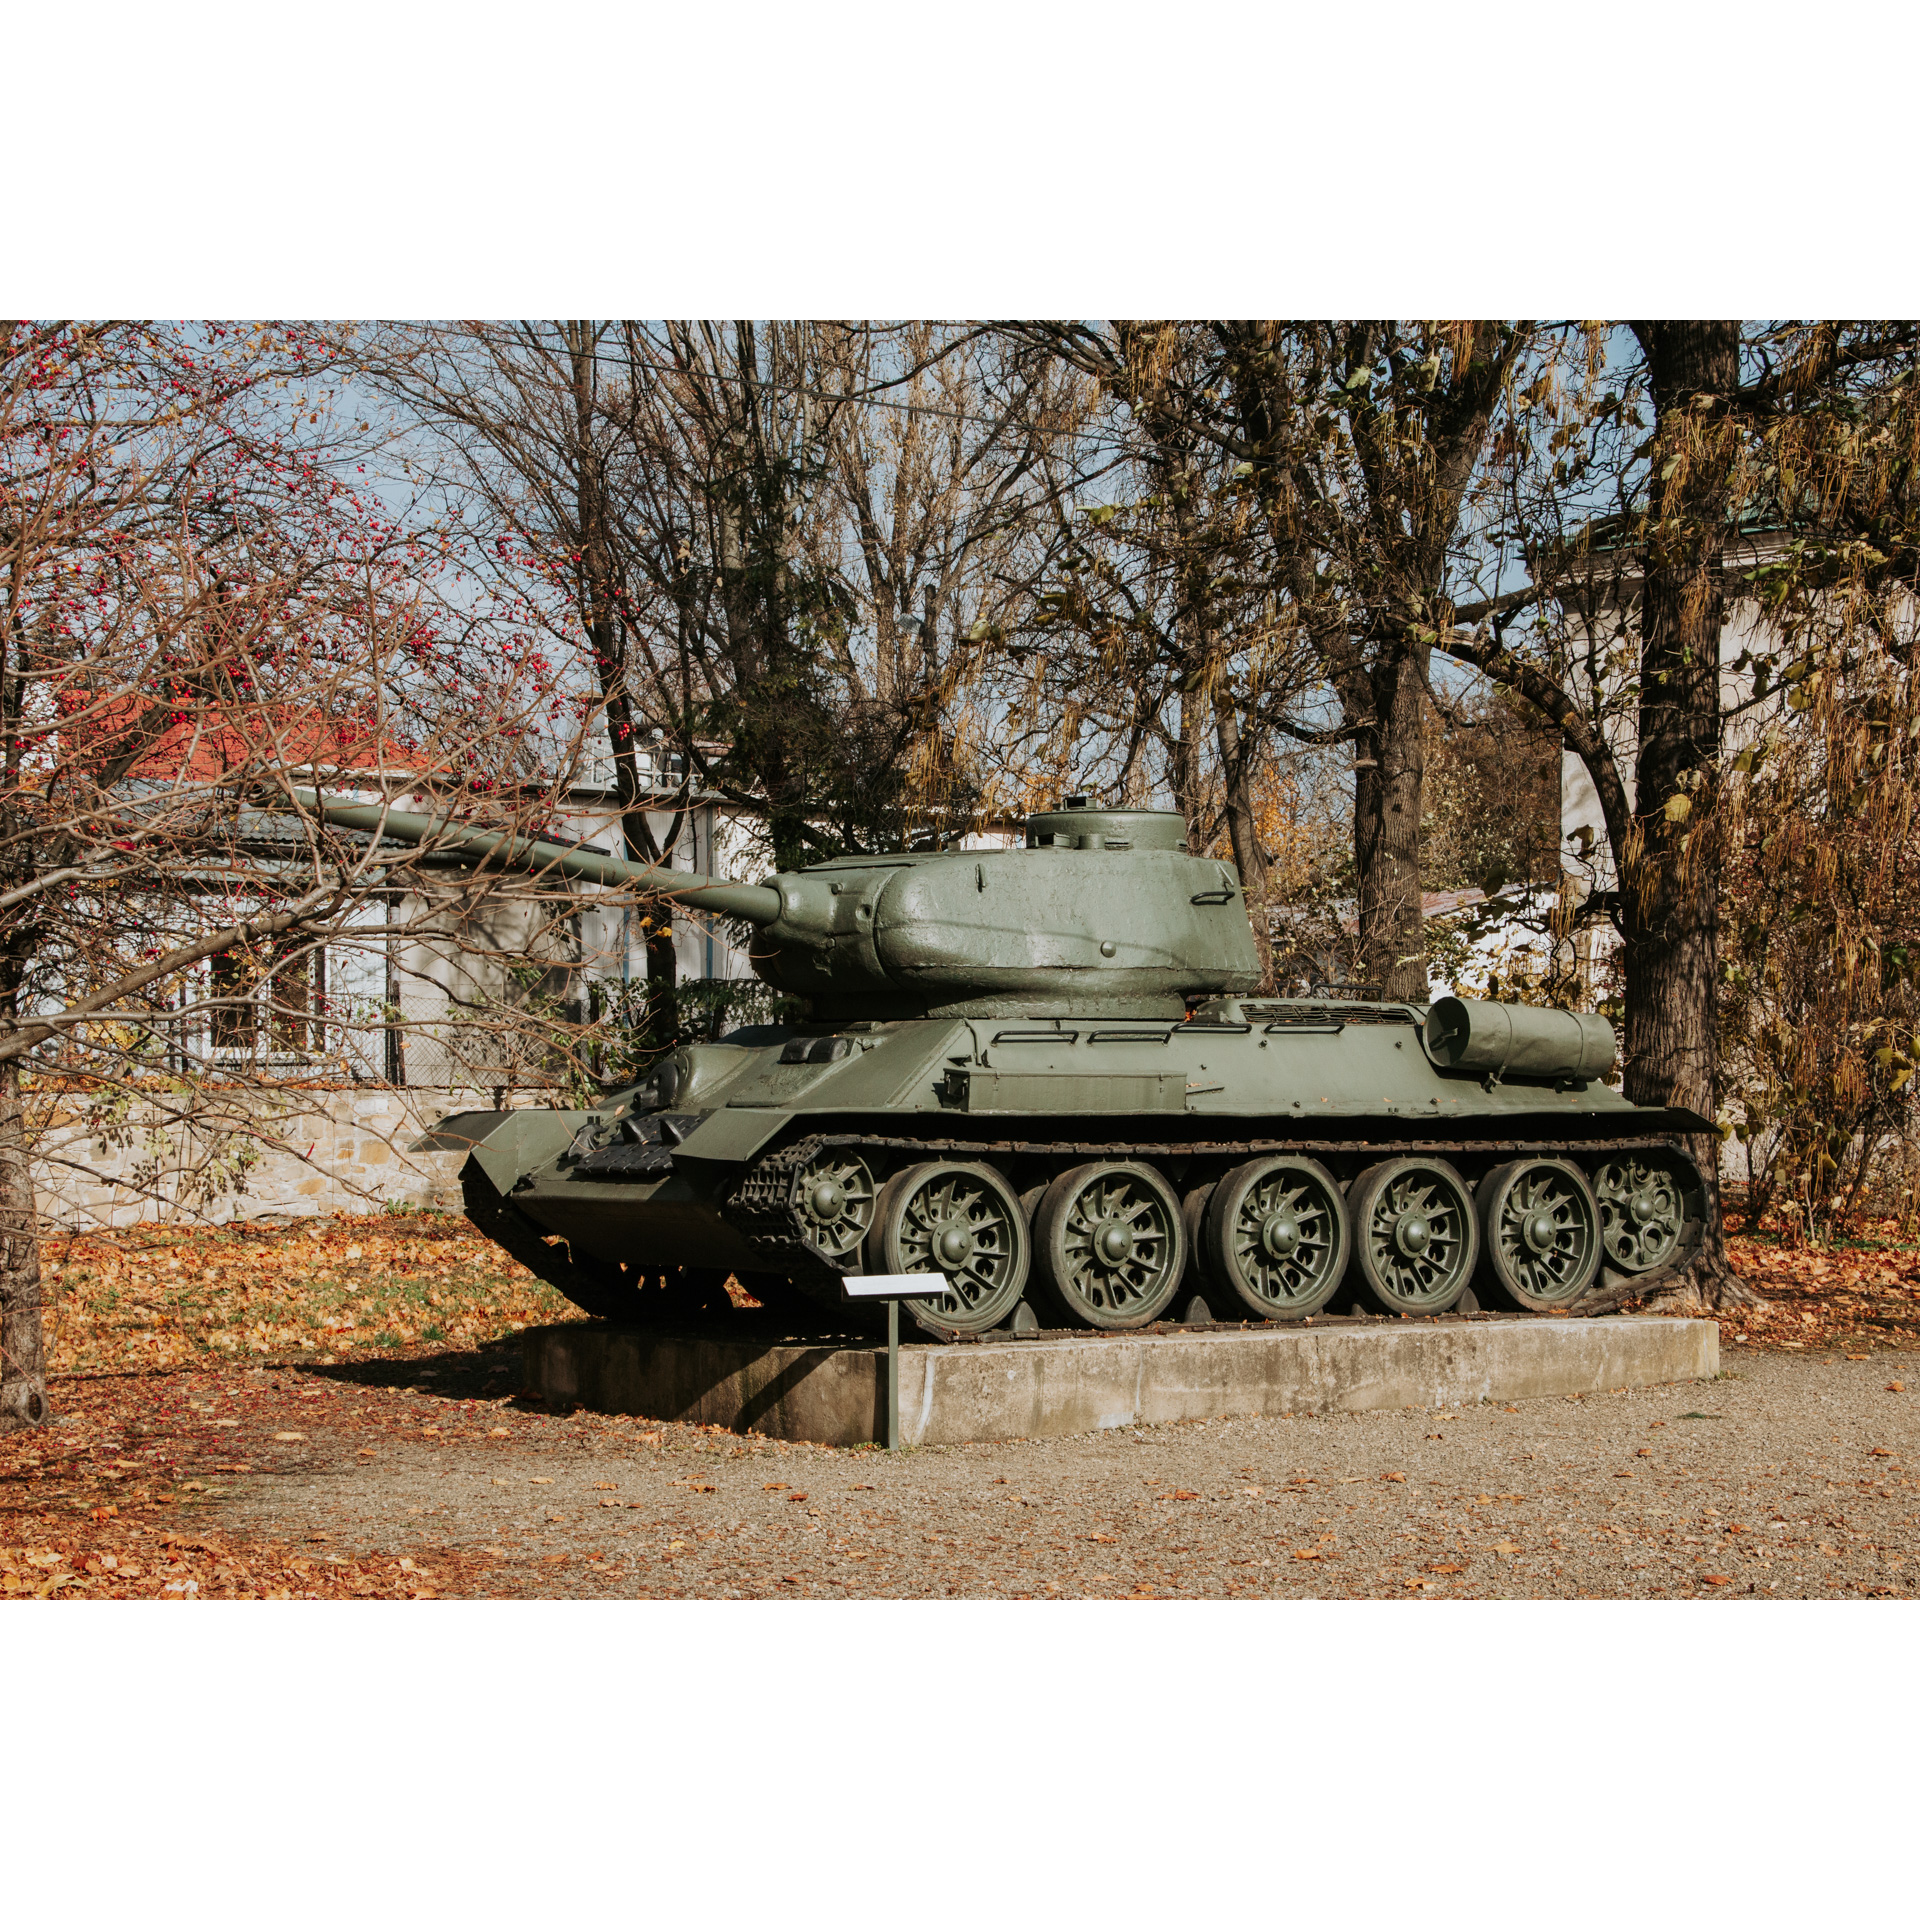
{"x": 1101, "y": 911}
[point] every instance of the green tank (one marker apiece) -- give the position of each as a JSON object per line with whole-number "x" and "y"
{"x": 1047, "y": 1073}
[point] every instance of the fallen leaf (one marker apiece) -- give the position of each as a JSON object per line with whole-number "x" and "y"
{"x": 1101, "y": 1539}
{"x": 1393, "y": 1476}
{"x": 1896, "y": 1386}
{"x": 1306, "y": 1553}
{"x": 289, "y": 1436}
{"x": 1646, "y": 1453}
{"x": 603, "y": 1486}
{"x": 796, "y": 1496}
{"x": 1715, "y": 1579}
{"x": 774, "y": 1486}
{"x": 498, "y": 1433}
{"x": 1883, "y": 1453}
{"x": 1181, "y": 1493}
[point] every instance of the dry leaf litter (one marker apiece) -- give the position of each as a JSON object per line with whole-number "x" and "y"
{"x": 331, "y": 1410}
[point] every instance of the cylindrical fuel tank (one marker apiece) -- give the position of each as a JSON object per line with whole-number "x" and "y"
{"x": 1530, "y": 1043}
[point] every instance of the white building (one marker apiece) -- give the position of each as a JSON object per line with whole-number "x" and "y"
{"x": 410, "y": 991}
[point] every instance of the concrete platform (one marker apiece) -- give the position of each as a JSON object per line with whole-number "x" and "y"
{"x": 1026, "y": 1387}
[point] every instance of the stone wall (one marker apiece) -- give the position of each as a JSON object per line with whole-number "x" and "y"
{"x": 348, "y": 1151}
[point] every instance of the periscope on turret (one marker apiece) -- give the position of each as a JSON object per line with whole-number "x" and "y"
{"x": 1048, "y": 1074}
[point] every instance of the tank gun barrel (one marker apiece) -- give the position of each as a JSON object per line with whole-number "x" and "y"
{"x": 760, "y": 905}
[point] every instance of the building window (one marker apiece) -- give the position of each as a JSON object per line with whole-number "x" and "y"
{"x": 236, "y": 1013}
{"x": 287, "y": 987}
{"x": 295, "y": 996}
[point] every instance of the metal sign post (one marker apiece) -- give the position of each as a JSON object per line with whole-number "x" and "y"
{"x": 893, "y": 1288}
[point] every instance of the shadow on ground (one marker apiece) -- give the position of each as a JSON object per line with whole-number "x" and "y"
{"x": 495, "y": 1370}
{"x": 489, "y": 1372}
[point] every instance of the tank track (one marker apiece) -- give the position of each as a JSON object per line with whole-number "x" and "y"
{"x": 766, "y": 1203}
{"x": 765, "y": 1206}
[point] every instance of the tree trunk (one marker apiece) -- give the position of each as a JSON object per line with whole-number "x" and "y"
{"x": 1387, "y": 799}
{"x": 663, "y": 976}
{"x": 1247, "y": 855}
{"x": 1183, "y": 772}
{"x": 1669, "y": 878}
{"x": 601, "y": 611}
{"x": 23, "y": 1361}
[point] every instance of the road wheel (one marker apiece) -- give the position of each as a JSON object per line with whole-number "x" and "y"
{"x": 1277, "y": 1235}
{"x": 1199, "y": 1283}
{"x": 1651, "y": 1208}
{"x": 1415, "y": 1236}
{"x": 960, "y": 1219}
{"x": 1539, "y": 1233}
{"x": 1109, "y": 1244}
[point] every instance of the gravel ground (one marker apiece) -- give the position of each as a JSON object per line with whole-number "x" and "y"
{"x": 1792, "y": 1476}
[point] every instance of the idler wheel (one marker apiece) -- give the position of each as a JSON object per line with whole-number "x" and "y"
{"x": 960, "y": 1219}
{"x": 833, "y": 1202}
{"x": 1109, "y": 1245}
{"x": 1277, "y": 1235}
{"x": 1539, "y": 1233}
{"x": 1652, "y": 1205}
{"x": 1415, "y": 1235}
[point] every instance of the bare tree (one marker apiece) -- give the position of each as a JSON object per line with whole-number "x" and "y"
{"x": 1183, "y": 643}
{"x": 1369, "y": 442}
{"x": 520, "y": 413}
{"x": 773, "y": 545}
{"x": 202, "y": 615}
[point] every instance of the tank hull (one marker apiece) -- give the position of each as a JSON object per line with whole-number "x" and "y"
{"x": 716, "y": 1178}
